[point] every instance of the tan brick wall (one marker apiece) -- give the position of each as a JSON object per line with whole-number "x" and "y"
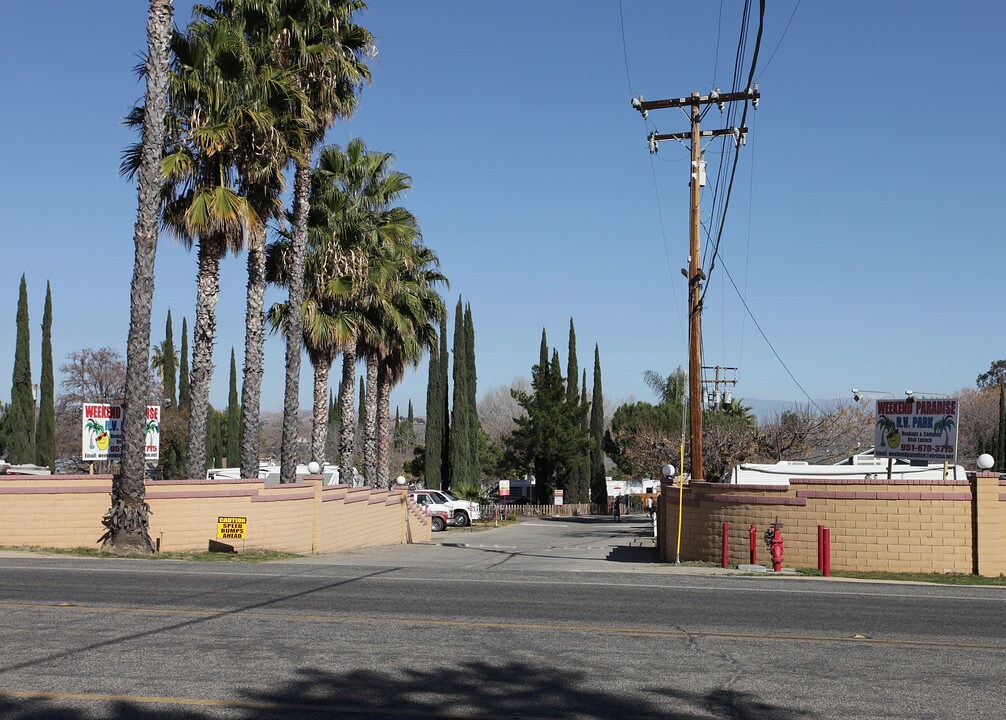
{"x": 991, "y": 509}
{"x": 923, "y": 526}
{"x": 66, "y": 512}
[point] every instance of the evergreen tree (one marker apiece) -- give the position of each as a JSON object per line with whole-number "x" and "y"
{"x": 215, "y": 442}
{"x": 598, "y": 488}
{"x": 550, "y": 436}
{"x": 583, "y": 460}
{"x": 361, "y": 412}
{"x": 22, "y": 411}
{"x": 4, "y": 429}
{"x": 183, "y": 368}
{"x": 434, "y": 440}
{"x": 45, "y": 429}
{"x": 473, "y": 433}
{"x": 573, "y": 396}
{"x": 458, "y": 442}
{"x": 168, "y": 369}
{"x": 233, "y": 444}
{"x": 572, "y": 369}
{"x": 411, "y": 418}
{"x": 334, "y": 424}
{"x": 445, "y": 414}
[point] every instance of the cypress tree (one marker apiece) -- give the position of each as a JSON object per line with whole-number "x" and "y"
{"x": 434, "y": 424}
{"x": 572, "y": 369}
{"x": 572, "y": 397}
{"x": 233, "y": 452}
{"x": 583, "y": 461}
{"x": 361, "y": 412}
{"x": 22, "y": 406}
{"x": 598, "y": 489}
{"x": 411, "y": 418}
{"x": 45, "y": 429}
{"x": 458, "y": 440}
{"x": 473, "y": 431}
{"x": 444, "y": 366}
{"x": 183, "y": 368}
{"x": 334, "y": 424}
{"x": 214, "y": 450}
{"x": 169, "y": 370}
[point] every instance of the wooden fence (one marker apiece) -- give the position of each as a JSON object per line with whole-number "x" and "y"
{"x": 571, "y": 510}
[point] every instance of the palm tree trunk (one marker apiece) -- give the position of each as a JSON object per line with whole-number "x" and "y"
{"x": 370, "y": 422}
{"x": 383, "y": 434}
{"x": 348, "y": 413}
{"x": 126, "y": 521}
{"x": 251, "y": 385}
{"x": 319, "y": 430}
{"x": 295, "y": 323}
{"x": 203, "y": 335}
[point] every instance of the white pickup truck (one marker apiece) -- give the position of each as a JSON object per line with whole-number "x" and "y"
{"x": 462, "y": 512}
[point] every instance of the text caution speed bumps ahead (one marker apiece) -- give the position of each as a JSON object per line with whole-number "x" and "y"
{"x": 232, "y": 528}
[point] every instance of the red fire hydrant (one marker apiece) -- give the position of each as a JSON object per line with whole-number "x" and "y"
{"x": 776, "y": 550}
{"x": 773, "y": 538}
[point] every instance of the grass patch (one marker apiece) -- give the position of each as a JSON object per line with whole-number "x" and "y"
{"x": 201, "y": 556}
{"x": 938, "y": 578}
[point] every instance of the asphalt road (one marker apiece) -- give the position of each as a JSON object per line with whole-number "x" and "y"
{"x": 553, "y": 618}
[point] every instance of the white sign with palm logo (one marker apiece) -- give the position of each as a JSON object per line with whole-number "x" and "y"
{"x": 101, "y": 437}
{"x": 917, "y": 429}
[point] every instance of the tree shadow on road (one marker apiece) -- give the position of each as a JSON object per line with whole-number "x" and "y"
{"x": 478, "y": 690}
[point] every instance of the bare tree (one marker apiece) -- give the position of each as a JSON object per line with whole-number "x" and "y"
{"x": 89, "y": 375}
{"x": 498, "y": 408}
{"x": 978, "y": 423}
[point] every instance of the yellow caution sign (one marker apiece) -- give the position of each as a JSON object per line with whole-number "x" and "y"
{"x": 232, "y": 528}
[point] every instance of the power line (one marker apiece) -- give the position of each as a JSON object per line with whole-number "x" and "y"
{"x": 772, "y": 56}
{"x": 733, "y": 171}
{"x": 767, "y": 341}
{"x": 625, "y": 52}
{"x": 656, "y": 188}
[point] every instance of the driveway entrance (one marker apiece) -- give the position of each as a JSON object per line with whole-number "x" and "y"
{"x": 534, "y": 545}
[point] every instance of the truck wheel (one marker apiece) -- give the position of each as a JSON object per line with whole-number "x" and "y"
{"x": 437, "y": 524}
{"x": 460, "y": 518}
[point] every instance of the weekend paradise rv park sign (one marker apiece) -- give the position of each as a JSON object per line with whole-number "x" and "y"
{"x": 101, "y": 432}
{"x": 924, "y": 430}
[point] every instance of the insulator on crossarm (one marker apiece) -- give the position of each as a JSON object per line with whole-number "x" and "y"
{"x": 654, "y": 143}
{"x": 637, "y": 103}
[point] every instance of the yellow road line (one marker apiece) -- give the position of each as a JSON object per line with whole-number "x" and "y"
{"x": 653, "y": 632}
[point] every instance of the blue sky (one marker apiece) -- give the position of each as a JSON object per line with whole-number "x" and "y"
{"x": 866, "y": 223}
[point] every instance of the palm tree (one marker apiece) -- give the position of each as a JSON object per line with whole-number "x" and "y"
{"x": 420, "y": 308}
{"x": 329, "y": 324}
{"x": 352, "y": 191}
{"x": 669, "y": 390}
{"x": 160, "y": 359}
{"x": 217, "y": 113}
{"x": 126, "y": 521}
{"x": 319, "y": 42}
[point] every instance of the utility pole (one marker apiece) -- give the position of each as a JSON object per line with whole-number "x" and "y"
{"x": 694, "y": 273}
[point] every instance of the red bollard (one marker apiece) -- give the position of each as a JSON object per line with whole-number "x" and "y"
{"x": 726, "y": 544}
{"x": 820, "y": 547}
{"x": 753, "y": 541}
{"x": 826, "y": 552}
